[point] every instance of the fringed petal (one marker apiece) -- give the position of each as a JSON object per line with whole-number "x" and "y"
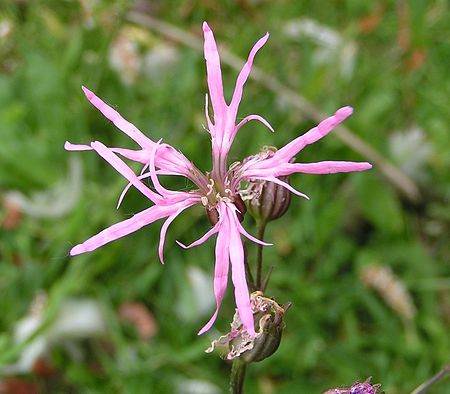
{"x": 76, "y": 147}
{"x": 201, "y": 240}
{"x": 124, "y": 170}
{"x": 162, "y": 235}
{"x": 278, "y": 181}
{"x": 220, "y": 274}
{"x": 208, "y": 119}
{"x": 244, "y": 232}
{"x": 243, "y": 76}
{"x": 329, "y": 167}
{"x": 128, "y": 186}
{"x": 214, "y": 75}
{"x": 121, "y": 229}
{"x": 321, "y": 130}
{"x": 122, "y": 124}
{"x": 241, "y": 292}
{"x": 248, "y": 119}
{"x": 154, "y": 177}
{"x": 139, "y": 156}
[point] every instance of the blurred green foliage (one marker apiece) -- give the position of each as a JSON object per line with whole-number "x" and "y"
{"x": 391, "y": 64}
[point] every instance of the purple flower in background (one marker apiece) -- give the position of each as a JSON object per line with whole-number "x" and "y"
{"x": 363, "y": 388}
{"x": 219, "y": 190}
{"x": 357, "y": 388}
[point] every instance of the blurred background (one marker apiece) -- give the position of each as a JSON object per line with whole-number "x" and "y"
{"x": 365, "y": 262}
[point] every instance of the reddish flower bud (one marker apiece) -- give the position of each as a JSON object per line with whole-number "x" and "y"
{"x": 240, "y": 205}
{"x": 212, "y": 215}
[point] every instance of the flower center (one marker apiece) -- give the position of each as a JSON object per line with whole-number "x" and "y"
{"x": 216, "y": 192}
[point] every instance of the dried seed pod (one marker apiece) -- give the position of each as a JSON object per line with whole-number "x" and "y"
{"x": 268, "y": 316}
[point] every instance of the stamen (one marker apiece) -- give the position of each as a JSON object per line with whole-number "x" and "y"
{"x": 210, "y": 187}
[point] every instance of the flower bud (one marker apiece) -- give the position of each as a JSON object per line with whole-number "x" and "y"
{"x": 268, "y": 200}
{"x": 357, "y": 388}
{"x": 268, "y": 316}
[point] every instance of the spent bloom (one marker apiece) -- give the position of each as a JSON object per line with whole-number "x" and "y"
{"x": 219, "y": 190}
{"x": 268, "y": 317}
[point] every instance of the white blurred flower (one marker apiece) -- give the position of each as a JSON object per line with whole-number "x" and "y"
{"x": 196, "y": 386}
{"x": 159, "y": 60}
{"x": 200, "y": 283}
{"x": 6, "y": 28}
{"x": 306, "y": 27}
{"x": 130, "y": 55}
{"x": 198, "y": 298}
{"x": 332, "y": 48}
{"x": 411, "y": 151}
{"x": 54, "y": 202}
{"x": 76, "y": 319}
{"x": 124, "y": 57}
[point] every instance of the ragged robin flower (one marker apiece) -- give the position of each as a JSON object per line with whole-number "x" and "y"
{"x": 219, "y": 190}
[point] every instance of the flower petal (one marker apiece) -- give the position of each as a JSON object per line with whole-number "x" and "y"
{"x": 241, "y": 292}
{"x": 214, "y": 74}
{"x": 243, "y": 76}
{"x": 139, "y": 156}
{"x": 128, "y": 128}
{"x": 329, "y": 167}
{"x": 248, "y": 119}
{"x": 321, "y": 130}
{"x": 220, "y": 274}
{"x": 208, "y": 119}
{"x": 203, "y": 239}
{"x": 124, "y": 170}
{"x": 244, "y": 232}
{"x": 165, "y": 226}
{"x": 76, "y": 147}
{"x": 128, "y": 186}
{"x": 154, "y": 177}
{"x": 121, "y": 229}
{"x": 281, "y": 183}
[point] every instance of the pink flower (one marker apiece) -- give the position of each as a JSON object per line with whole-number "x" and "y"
{"x": 217, "y": 191}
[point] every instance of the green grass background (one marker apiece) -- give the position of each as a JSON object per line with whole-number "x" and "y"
{"x": 337, "y": 330}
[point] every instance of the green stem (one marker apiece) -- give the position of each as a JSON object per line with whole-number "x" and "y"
{"x": 237, "y": 376}
{"x": 259, "y": 256}
{"x": 248, "y": 271}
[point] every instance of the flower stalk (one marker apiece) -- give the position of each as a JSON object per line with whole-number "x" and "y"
{"x": 259, "y": 256}
{"x": 237, "y": 376}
